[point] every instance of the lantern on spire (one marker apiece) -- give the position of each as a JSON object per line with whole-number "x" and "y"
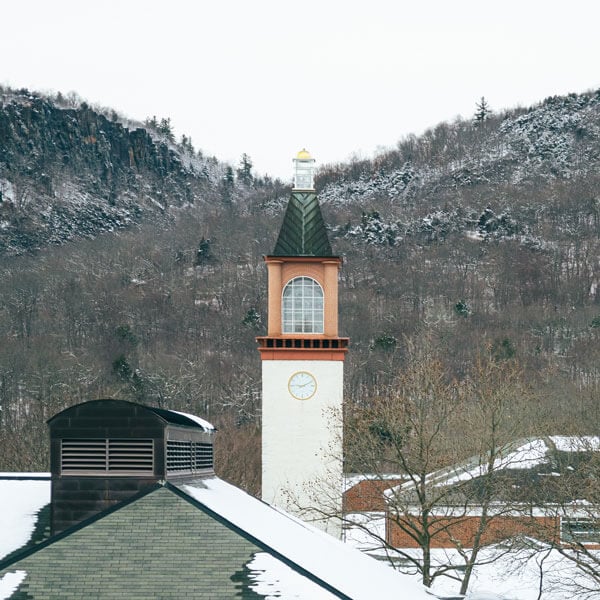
{"x": 304, "y": 171}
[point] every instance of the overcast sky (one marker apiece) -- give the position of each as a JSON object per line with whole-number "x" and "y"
{"x": 268, "y": 77}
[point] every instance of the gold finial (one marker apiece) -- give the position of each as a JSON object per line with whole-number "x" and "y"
{"x": 304, "y": 154}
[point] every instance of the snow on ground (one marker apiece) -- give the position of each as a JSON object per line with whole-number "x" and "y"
{"x": 21, "y": 500}
{"x": 358, "y": 536}
{"x": 513, "y": 575}
{"x": 516, "y": 576}
{"x": 326, "y": 558}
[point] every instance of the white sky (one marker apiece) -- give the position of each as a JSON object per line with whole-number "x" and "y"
{"x": 268, "y": 77}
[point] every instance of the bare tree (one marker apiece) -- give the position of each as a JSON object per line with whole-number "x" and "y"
{"x": 424, "y": 428}
{"x": 496, "y": 396}
{"x": 570, "y": 503}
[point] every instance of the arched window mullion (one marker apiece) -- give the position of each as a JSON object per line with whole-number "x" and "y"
{"x": 302, "y": 306}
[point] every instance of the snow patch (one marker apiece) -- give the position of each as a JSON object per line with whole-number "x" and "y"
{"x": 17, "y": 475}
{"x": 365, "y": 531}
{"x": 352, "y": 479}
{"x": 274, "y": 579}
{"x": 7, "y": 191}
{"x": 204, "y": 424}
{"x": 20, "y": 500}
{"x": 475, "y": 235}
{"x": 10, "y": 582}
{"x": 586, "y": 443}
{"x": 526, "y": 456}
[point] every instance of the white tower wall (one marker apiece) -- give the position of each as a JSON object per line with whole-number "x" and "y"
{"x": 302, "y": 441}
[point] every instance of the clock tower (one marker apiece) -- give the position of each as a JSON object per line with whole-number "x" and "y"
{"x": 302, "y": 364}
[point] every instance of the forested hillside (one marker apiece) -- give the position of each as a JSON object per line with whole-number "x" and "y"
{"x": 131, "y": 266}
{"x": 491, "y": 229}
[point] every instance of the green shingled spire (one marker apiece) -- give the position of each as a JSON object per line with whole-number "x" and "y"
{"x": 303, "y": 232}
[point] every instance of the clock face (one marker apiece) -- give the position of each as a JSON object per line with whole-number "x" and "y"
{"x": 302, "y": 385}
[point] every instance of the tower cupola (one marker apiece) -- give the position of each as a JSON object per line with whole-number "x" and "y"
{"x": 304, "y": 171}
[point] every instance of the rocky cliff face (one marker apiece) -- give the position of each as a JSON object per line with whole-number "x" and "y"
{"x": 66, "y": 172}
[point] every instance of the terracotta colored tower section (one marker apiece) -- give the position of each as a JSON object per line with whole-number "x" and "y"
{"x": 302, "y": 365}
{"x": 277, "y": 345}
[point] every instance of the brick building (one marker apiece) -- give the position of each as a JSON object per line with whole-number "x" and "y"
{"x": 543, "y": 488}
{"x": 365, "y": 493}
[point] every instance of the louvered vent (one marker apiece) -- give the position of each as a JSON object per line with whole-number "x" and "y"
{"x": 203, "y": 456}
{"x": 187, "y": 457}
{"x": 107, "y": 456}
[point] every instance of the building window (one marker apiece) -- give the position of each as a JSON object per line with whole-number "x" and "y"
{"x": 302, "y": 306}
{"x": 107, "y": 456}
{"x": 579, "y": 531}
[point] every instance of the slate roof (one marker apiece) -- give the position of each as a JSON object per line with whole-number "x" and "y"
{"x": 303, "y": 232}
{"x": 204, "y": 539}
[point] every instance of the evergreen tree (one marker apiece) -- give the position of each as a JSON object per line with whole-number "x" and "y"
{"x": 252, "y": 319}
{"x": 228, "y": 178}
{"x": 227, "y": 184}
{"x": 483, "y": 111}
{"x": 190, "y": 146}
{"x": 186, "y": 145}
{"x": 204, "y": 252}
{"x": 164, "y": 128}
{"x": 244, "y": 171}
{"x": 151, "y": 123}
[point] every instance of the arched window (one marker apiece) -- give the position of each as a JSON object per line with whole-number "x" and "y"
{"x": 302, "y": 306}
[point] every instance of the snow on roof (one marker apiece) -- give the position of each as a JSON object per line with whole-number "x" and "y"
{"x": 204, "y": 424}
{"x": 16, "y": 475}
{"x": 9, "y": 582}
{"x": 274, "y": 579}
{"x": 585, "y": 443}
{"x": 342, "y": 567}
{"x": 21, "y": 500}
{"x": 352, "y": 479}
{"x": 522, "y": 454}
